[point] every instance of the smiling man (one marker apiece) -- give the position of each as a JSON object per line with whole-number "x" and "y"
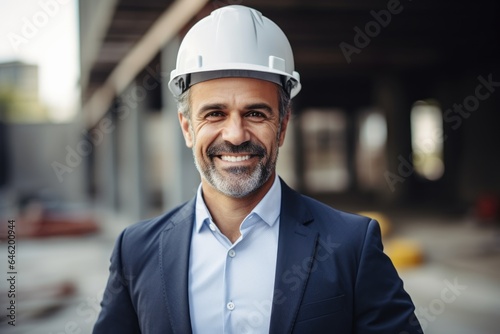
{"x": 235, "y": 130}
{"x": 248, "y": 254}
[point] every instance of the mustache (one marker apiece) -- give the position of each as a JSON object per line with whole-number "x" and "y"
{"x": 246, "y": 147}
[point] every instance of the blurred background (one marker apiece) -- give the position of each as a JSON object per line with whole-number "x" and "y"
{"x": 397, "y": 119}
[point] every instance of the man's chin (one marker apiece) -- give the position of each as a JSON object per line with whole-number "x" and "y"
{"x": 235, "y": 184}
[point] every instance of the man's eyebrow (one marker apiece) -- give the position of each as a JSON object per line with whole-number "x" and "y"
{"x": 259, "y": 106}
{"x": 211, "y": 106}
{"x": 221, "y": 106}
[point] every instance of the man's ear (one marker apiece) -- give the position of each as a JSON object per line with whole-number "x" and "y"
{"x": 186, "y": 131}
{"x": 284, "y": 124}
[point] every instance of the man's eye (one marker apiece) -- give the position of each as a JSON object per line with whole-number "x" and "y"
{"x": 214, "y": 114}
{"x": 257, "y": 114}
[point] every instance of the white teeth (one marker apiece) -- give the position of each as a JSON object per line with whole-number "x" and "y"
{"x": 232, "y": 158}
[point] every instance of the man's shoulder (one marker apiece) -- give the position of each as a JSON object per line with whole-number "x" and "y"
{"x": 331, "y": 224}
{"x": 321, "y": 212}
{"x": 149, "y": 228}
{"x": 325, "y": 213}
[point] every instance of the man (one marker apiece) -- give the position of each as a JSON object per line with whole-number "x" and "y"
{"x": 248, "y": 254}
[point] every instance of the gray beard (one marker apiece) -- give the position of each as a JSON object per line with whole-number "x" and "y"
{"x": 241, "y": 181}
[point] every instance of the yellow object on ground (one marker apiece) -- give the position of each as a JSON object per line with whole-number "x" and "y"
{"x": 383, "y": 221}
{"x": 404, "y": 253}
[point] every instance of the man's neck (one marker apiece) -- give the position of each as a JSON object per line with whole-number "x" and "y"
{"x": 228, "y": 212}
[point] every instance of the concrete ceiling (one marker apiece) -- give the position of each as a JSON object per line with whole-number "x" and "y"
{"x": 130, "y": 20}
{"x": 424, "y": 33}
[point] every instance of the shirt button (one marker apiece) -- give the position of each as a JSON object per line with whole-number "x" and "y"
{"x": 230, "y": 306}
{"x": 231, "y": 253}
{"x": 212, "y": 226}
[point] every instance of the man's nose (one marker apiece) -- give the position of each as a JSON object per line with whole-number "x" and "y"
{"x": 235, "y": 131}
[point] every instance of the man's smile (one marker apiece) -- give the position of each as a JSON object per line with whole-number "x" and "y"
{"x": 235, "y": 158}
{"x": 232, "y": 154}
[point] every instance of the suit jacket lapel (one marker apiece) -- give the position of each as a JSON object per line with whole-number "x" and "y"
{"x": 175, "y": 243}
{"x": 296, "y": 247}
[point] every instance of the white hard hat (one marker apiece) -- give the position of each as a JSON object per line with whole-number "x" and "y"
{"x": 234, "y": 41}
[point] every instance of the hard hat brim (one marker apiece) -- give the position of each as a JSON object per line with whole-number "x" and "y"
{"x": 179, "y": 83}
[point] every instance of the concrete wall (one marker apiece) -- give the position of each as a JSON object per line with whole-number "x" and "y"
{"x": 46, "y": 159}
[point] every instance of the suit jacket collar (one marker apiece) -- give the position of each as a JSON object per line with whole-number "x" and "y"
{"x": 175, "y": 242}
{"x": 296, "y": 247}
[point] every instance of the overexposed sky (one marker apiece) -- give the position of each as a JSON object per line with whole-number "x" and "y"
{"x": 45, "y": 32}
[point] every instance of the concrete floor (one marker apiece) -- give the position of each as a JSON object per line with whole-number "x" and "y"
{"x": 458, "y": 254}
{"x": 457, "y": 290}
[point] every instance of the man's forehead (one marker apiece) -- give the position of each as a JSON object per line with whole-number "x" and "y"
{"x": 235, "y": 90}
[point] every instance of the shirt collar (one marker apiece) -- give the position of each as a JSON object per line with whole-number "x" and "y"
{"x": 268, "y": 209}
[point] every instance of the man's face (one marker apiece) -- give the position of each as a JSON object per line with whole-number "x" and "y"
{"x": 235, "y": 132}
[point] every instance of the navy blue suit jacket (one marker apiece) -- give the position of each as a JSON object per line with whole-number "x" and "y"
{"x": 331, "y": 275}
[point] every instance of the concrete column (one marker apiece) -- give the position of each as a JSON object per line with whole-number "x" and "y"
{"x": 389, "y": 95}
{"x": 104, "y": 166}
{"x": 130, "y": 161}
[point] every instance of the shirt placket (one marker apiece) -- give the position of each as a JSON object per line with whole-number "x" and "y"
{"x": 231, "y": 256}
{"x": 230, "y": 304}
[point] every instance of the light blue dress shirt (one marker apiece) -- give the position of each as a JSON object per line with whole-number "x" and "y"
{"x": 231, "y": 286}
